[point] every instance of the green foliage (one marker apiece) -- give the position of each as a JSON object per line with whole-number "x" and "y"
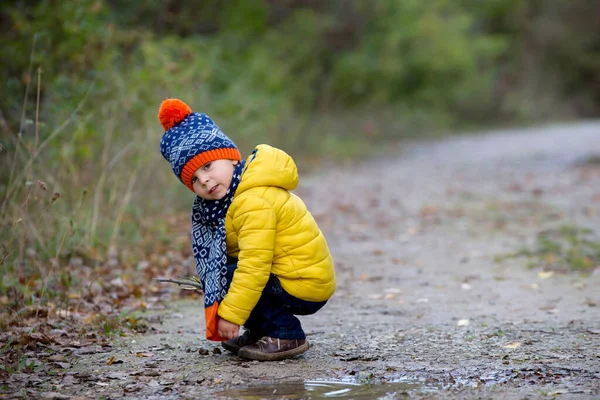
{"x": 245, "y": 17}
{"x": 61, "y": 39}
{"x": 419, "y": 53}
{"x": 14, "y": 360}
{"x": 552, "y": 58}
{"x": 82, "y": 82}
{"x": 117, "y": 325}
{"x": 172, "y": 17}
{"x": 568, "y": 248}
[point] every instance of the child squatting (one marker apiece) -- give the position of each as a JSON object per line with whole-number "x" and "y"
{"x": 260, "y": 256}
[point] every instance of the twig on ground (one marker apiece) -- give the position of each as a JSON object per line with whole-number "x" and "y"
{"x": 184, "y": 283}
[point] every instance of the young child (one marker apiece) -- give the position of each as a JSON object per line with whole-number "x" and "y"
{"x": 260, "y": 255}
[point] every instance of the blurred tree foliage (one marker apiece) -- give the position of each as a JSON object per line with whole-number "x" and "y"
{"x": 469, "y": 59}
{"x": 82, "y": 81}
{"x": 264, "y": 68}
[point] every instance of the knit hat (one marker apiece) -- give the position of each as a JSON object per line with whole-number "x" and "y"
{"x": 191, "y": 140}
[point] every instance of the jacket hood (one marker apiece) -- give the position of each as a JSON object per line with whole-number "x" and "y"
{"x": 268, "y": 166}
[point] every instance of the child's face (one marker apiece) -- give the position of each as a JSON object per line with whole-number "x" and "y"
{"x": 212, "y": 180}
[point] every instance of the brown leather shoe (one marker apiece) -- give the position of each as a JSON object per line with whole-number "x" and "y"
{"x": 273, "y": 349}
{"x": 235, "y": 344}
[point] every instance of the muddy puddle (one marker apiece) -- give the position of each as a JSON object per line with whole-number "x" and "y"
{"x": 316, "y": 389}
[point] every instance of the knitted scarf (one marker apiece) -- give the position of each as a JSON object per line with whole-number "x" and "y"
{"x": 210, "y": 251}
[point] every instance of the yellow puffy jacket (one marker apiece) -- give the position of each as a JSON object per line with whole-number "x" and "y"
{"x": 270, "y": 231}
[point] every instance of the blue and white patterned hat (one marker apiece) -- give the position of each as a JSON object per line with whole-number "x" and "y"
{"x": 191, "y": 140}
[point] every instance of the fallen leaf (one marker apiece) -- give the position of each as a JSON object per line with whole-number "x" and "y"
{"x": 347, "y": 208}
{"x": 545, "y": 274}
{"x": 590, "y": 303}
{"x": 152, "y": 372}
{"x": 358, "y": 228}
{"x": 36, "y": 337}
{"x": 112, "y": 360}
{"x": 557, "y": 392}
{"x": 512, "y": 345}
{"x": 136, "y": 373}
{"x": 54, "y": 396}
{"x": 462, "y": 322}
{"x": 91, "y": 350}
{"x": 428, "y": 211}
{"x": 358, "y": 357}
{"x": 70, "y": 380}
{"x": 134, "y": 387}
{"x": 366, "y": 277}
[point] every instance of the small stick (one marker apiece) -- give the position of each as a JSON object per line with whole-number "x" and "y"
{"x": 187, "y": 284}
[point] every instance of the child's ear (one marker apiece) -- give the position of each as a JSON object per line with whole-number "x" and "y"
{"x": 235, "y": 162}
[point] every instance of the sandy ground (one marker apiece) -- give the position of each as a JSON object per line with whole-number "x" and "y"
{"x": 422, "y": 309}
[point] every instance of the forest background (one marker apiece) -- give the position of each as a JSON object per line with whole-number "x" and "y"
{"x": 83, "y": 186}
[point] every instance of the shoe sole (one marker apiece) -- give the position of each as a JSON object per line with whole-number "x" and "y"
{"x": 228, "y": 347}
{"x": 259, "y": 356}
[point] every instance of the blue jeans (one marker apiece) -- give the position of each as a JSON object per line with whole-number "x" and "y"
{"x": 275, "y": 313}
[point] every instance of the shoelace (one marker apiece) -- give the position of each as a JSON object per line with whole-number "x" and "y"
{"x": 267, "y": 340}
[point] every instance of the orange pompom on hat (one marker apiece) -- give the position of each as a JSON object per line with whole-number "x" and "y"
{"x": 191, "y": 140}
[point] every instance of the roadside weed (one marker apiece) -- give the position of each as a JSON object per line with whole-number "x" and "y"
{"x": 564, "y": 249}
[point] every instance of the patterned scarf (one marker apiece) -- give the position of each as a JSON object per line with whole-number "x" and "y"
{"x": 210, "y": 251}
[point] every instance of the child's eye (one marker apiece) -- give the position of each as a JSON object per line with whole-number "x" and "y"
{"x": 194, "y": 179}
{"x": 206, "y": 166}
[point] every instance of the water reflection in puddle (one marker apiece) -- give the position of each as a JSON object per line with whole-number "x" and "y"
{"x": 327, "y": 390}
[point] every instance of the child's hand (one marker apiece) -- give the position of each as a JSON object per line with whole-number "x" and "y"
{"x": 228, "y": 329}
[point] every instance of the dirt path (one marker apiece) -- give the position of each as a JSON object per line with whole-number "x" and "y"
{"x": 422, "y": 310}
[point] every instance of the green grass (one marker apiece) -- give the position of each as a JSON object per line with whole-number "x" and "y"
{"x": 118, "y": 324}
{"x": 565, "y": 249}
{"x": 14, "y": 359}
